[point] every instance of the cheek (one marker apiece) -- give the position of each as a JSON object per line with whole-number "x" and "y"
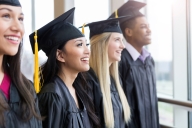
{"x": 74, "y": 55}
{"x": 3, "y": 29}
{"x": 22, "y": 30}
{"x": 112, "y": 48}
{"x": 138, "y": 36}
{"x": 9, "y": 49}
{"x": 141, "y": 33}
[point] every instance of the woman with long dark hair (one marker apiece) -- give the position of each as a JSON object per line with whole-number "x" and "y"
{"x": 63, "y": 101}
{"x": 18, "y": 101}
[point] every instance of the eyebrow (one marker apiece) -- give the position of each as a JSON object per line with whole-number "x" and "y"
{"x": 117, "y": 37}
{"x": 9, "y": 10}
{"x": 6, "y": 9}
{"x": 145, "y": 24}
{"x": 80, "y": 40}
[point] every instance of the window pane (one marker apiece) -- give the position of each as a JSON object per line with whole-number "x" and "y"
{"x": 47, "y": 14}
{"x": 190, "y": 54}
{"x": 166, "y": 114}
{"x": 27, "y": 56}
{"x": 95, "y": 12}
{"x": 190, "y": 48}
{"x": 160, "y": 21}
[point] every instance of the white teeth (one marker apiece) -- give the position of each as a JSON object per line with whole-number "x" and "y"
{"x": 12, "y": 38}
{"x": 85, "y": 59}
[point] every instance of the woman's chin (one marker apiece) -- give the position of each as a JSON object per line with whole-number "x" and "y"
{"x": 86, "y": 68}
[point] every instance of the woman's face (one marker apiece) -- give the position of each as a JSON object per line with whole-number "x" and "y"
{"x": 11, "y": 29}
{"x": 115, "y": 47}
{"x": 76, "y": 55}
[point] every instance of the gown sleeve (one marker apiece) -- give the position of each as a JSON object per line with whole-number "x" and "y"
{"x": 51, "y": 110}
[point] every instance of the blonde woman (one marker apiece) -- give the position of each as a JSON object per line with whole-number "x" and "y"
{"x": 111, "y": 106}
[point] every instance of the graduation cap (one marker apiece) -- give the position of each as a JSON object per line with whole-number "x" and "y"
{"x": 53, "y": 34}
{"x": 109, "y": 25}
{"x": 56, "y": 32}
{"x": 10, "y": 2}
{"x": 130, "y": 8}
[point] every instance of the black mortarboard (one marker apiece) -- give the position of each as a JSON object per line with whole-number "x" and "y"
{"x": 10, "y": 2}
{"x": 130, "y": 8}
{"x": 56, "y": 32}
{"x": 109, "y": 25}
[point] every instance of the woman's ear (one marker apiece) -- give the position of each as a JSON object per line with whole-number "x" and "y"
{"x": 60, "y": 55}
{"x": 128, "y": 32}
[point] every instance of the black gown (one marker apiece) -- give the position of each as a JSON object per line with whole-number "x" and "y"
{"x": 139, "y": 84}
{"x": 12, "y": 116}
{"x": 59, "y": 108}
{"x": 96, "y": 95}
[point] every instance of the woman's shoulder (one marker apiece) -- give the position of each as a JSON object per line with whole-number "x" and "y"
{"x": 90, "y": 75}
{"x": 49, "y": 87}
{"x": 48, "y": 97}
{"x": 93, "y": 82}
{"x": 53, "y": 86}
{"x": 54, "y": 91}
{"x": 49, "y": 91}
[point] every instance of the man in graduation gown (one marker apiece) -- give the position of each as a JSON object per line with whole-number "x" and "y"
{"x": 137, "y": 67}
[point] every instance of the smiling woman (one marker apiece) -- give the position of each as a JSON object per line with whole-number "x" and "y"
{"x": 115, "y": 47}
{"x": 18, "y": 107}
{"x": 111, "y": 105}
{"x": 63, "y": 100}
{"x": 76, "y": 58}
{"x": 12, "y": 29}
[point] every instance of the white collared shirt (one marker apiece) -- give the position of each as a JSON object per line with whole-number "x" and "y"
{"x": 134, "y": 53}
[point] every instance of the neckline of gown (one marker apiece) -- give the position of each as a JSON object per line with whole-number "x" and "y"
{"x": 71, "y": 97}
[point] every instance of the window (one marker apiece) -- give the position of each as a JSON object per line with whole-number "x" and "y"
{"x": 87, "y": 14}
{"x": 161, "y": 47}
{"x": 27, "y": 56}
{"x": 47, "y": 14}
{"x": 160, "y": 21}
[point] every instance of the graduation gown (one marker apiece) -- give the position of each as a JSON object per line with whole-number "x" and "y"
{"x": 139, "y": 84}
{"x": 59, "y": 108}
{"x": 13, "y": 115}
{"x": 97, "y": 97}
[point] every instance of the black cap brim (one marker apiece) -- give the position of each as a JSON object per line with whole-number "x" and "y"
{"x": 10, "y": 2}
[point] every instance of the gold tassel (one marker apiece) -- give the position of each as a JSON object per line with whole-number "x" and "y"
{"x": 36, "y": 66}
{"x": 83, "y": 29}
{"x": 116, "y": 14}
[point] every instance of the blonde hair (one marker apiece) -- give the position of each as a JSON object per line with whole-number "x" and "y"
{"x": 100, "y": 64}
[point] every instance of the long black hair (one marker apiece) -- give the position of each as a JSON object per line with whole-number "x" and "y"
{"x": 52, "y": 67}
{"x": 82, "y": 88}
{"x": 12, "y": 66}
